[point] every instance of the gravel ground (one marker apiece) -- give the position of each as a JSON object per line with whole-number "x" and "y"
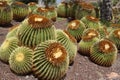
{"x": 82, "y": 69}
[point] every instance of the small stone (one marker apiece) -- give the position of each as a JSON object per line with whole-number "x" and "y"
{"x": 76, "y": 74}
{"x": 27, "y": 77}
{"x": 113, "y": 75}
{"x": 80, "y": 62}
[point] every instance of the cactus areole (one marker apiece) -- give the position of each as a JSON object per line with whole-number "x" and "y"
{"x": 90, "y": 35}
{"x": 38, "y": 21}
{"x": 106, "y": 46}
{"x": 55, "y": 53}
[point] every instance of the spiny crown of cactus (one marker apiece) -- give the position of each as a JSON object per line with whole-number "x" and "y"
{"x": 74, "y": 24}
{"x": 90, "y": 34}
{"x": 3, "y": 3}
{"x": 32, "y": 3}
{"x": 19, "y": 4}
{"x": 38, "y": 21}
{"x": 93, "y": 19}
{"x": 87, "y": 6}
{"x": 106, "y": 46}
{"x": 56, "y": 53}
{"x": 41, "y": 9}
{"x": 117, "y": 33}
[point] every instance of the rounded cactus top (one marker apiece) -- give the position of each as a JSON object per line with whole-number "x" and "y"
{"x": 19, "y": 57}
{"x": 41, "y": 9}
{"x": 19, "y": 4}
{"x": 3, "y": 3}
{"x": 32, "y": 3}
{"x": 51, "y": 8}
{"x": 86, "y": 6}
{"x": 55, "y": 53}
{"x": 93, "y": 19}
{"x": 106, "y": 46}
{"x": 38, "y": 21}
{"x": 117, "y": 33}
{"x": 90, "y": 34}
{"x": 74, "y": 24}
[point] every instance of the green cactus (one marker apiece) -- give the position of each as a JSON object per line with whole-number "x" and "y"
{"x": 71, "y": 48}
{"x": 114, "y": 36}
{"x": 50, "y": 61}
{"x": 20, "y": 10}
{"x": 6, "y": 14}
{"x": 12, "y": 31}
{"x": 63, "y": 10}
{"x": 103, "y": 32}
{"x": 21, "y": 60}
{"x": 76, "y": 28}
{"x": 89, "y": 37}
{"x": 32, "y": 6}
{"x": 7, "y": 47}
{"x": 91, "y": 22}
{"x": 49, "y": 12}
{"x": 103, "y": 53}
{"x": 84, "y": 9}
{"x": 36, "y": 29}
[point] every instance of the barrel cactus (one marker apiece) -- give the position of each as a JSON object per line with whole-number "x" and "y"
{"x": 50, "y": 61}
{"x": 103, "y": 32}
{"x": 7, "y": 47}
{"x": 63, "y": 10}
{"x": 76, "y": 28}
{"x": 12, "y": 31}
{"x": 84, "y": 9}
{"x": 91, "y": 22}
{"x": 35, "y": 29}
{"x": 6, "y": 14}
{"x": 49, "y": 12}
{"x": 89, "y": 37}
{"x": 103, "y": 53}
{"x": 20, "y": 10}
{"x": 32, "y": 6}
{"x": 114, "y": 36}
{"x": 65, "y": 40}
{"x": 21, "y": 60}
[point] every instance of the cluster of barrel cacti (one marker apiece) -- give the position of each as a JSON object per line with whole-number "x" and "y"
{"x": 19, "y": 11}
{"x": 75, "y": 10}
{"x": 98, "y": 41}
{"x": 35, "y": 45}
{"x": 95, "y": 41}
